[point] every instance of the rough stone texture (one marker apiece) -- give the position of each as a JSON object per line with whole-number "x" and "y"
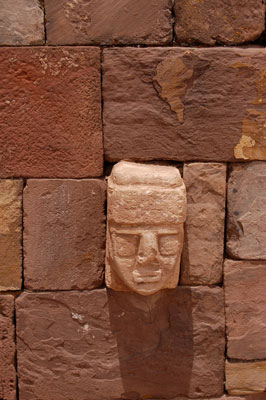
{"x": 112, "y": 345}
{"x": 246, "y": 227}
{"x": 64, "y": 234}
{"x": 211, "y": 22}
{"x": 21, "y": 22}
{"x": 109, "y": 21}
{"x": 10, "y": 234}
{"x": 245, "y": 378}
{"x": 202, "y": 258}
{"x": 245, "y": 283}
{"x": 145, "y": 232}
{"x": 50, "y": 112}
{"x": 184, "y": 104}
{"x": 7, "y": 349}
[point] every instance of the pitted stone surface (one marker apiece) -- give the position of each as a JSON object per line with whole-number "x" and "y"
{"x": 7, "y": 349}
{"x": 50, "y": 112}
{"x": 116, "y": 345}
{"x": 109, "y": 21}
{"x": 145, "y": 233}
{"x": 21, "y": 22}
{"x": 183, "y": 104}
{"x": 10, "y": 234}
{"x": 211, "y": 22}
{"x": 202, "y": 258}
{"x": 245, "y": 378}
{"x": 245, "y": 283}
{"x": 246, "y": 227}
{"x": 64, "y": 234}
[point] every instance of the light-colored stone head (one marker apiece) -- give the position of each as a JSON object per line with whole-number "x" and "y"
{"x": 146, "y": 213}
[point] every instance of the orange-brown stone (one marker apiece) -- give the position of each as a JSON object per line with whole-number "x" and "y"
{"x": 50, "y": 112}
{"x": 64, "y": 236}
{"x": 10, "y": 234}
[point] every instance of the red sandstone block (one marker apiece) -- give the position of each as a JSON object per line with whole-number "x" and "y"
{"x": 64, "y": 234}
{"x": 109, "y": 21}
{"x": 219, "y": 21}
{"x": 7, "y": 349}
{"x": 245, "y": 283}
{"x": 111, "y": 345}
{"x": 184, "y": 104}
{"x": 50, "y": 112}
{"x": 10, "y": 234}
{"x": 202, "y": 258}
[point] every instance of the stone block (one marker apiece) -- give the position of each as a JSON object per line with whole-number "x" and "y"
{"x": 109, "y": 22}
{"x": 245, "y": 378}
{"x": 246, "y": 226}
{"x": 22, "y": 23}
{"x": 50, "y": 112}
{"x": 7, "y": 349}
{"x": 145, "y": 231}
{"x": 211, "y": 22}
{"x": 245, "y": 283}
{"x": 10, "y": 234}
{"x": 184, "y": 104}
{"x": 114, "y": 345}
{"x": 202, "y": 258}
{"x": 64, "y": 234}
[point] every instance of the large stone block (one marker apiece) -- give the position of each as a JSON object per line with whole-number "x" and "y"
{"x": 109, "y": 21}
{"x": 202, "y": 259}
{"x": 22, "y": 22}
{"x": 246, "y": 227}
{"x": 111, "y": 345}
{"x": 7, "y": 349}
{"x": 184, "y": 104}
{"x": 245, "y": 378}
{"x": 50, "y": 112}
{"x": 219, "y": 21}
{"x": 64, "y": 234}
{"x": 10, "y": 234}
{"x": 245, "y": 283}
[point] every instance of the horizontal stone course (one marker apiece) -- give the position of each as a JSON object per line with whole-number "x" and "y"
{"x": 116, "y": 345}
{"x": 50, "y": 112}
{"x": 109, "y": 22}
{"x": 184, "y": 104}
{"x": 246, "y": 378}
{"x": 64, "y": 234}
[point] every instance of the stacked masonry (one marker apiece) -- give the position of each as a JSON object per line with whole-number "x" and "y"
{"x": 154, "y": 78}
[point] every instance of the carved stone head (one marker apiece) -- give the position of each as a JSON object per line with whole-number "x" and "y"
{"x": 146, "y": 213}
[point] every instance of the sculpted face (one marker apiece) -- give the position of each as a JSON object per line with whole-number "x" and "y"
{"x": 146, "y": 211}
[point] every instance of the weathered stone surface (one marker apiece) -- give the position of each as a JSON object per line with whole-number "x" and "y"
{"x": 10, "y": 234}
{"x": 202, "y": 258}
{"x": 7, "y": 349}
{"x": 245, "y": 378}
{"x": 50, "y": 112}
{"x": 245, "y": 283}
{"x": 112, "y": 345}
{"x": 109, "y": 21}
{"x": 219, "y": 21}
{"x": 246, "y": 227}
{"x": 145, "y": 233}
{"x": 21, "y": 22}
{"x": 184, "y": 104}
{"x": 64, "y": 234}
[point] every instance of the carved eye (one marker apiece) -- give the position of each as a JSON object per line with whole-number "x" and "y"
{"x": 169, "y": 245}
{"x": 126, "y": 245}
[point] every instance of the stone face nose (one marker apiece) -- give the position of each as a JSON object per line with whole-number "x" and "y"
{"x": 148, "y": 248}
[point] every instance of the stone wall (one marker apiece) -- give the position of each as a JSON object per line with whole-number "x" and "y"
{"x": 181, "y": 83}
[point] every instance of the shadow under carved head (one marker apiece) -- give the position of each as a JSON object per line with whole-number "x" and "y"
{"x": 146, "y": 213}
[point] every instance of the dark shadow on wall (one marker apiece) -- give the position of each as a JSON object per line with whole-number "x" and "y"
{"x": 154, "y": 337}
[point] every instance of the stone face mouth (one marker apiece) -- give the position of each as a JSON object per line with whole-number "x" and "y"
{"x": 147, "y": 276}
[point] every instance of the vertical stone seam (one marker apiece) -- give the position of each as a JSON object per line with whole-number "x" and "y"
{"x": 42, "y": 5}
{"x": 224, "y": 257}
{"x": 16, "y": 351}
{"x": 173, "y": 22}
{"x": 22, "y": 237}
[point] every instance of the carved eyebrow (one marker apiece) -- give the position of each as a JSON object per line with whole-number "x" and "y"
{"x": 160, "y": 230}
